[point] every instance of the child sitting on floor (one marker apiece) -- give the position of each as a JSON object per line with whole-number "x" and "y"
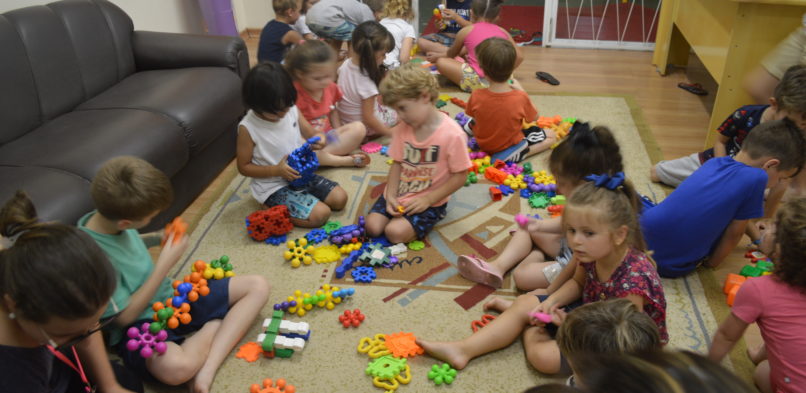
{"x": 278, "y": 36}
{"x": 397, "y": 15}
{"x": 500, "y": 110}
{"x": 702, "y": 221}
{"x": 455, "y": 15}
{"x": 301, "y": 25}
{"x": 128, "y": 192}
{"x": 270, "y": 131}
{"x": 601, "y": 226}
{"x": 430, "y": 157}
{"x": 775, "y": 302}
{"x": 335, "y": 20}
{"x": 583, "y": 152}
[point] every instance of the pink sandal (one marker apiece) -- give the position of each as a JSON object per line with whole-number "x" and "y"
{"x": 477, "y": 270}
{"x": 361, "y": 159}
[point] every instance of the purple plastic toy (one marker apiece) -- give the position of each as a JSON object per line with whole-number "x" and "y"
{"x": 147, "y": 342}
{"x": 346, "y": 234}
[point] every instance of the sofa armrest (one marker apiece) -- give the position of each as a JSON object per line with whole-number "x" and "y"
{"x": 155, "y": 50}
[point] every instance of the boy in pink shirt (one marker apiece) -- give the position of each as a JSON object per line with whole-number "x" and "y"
{"x": 429, "y": 150}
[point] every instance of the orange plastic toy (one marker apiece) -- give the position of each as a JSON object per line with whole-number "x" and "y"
{"x": 485, "y": 319}
{"x": 556, "y": 210}
{"x": 546, "y": 122}
{"x": 181, "y": 314}
{"x": 403, "y": 345}
{"x": 250, "y": 351}
{"x": 495, "y": 175}
{"x": 496, "y": 194}
{"x": 458, "y": 102}
{"x": 732, "y": 284}
{"x": 200, "y": 287}
{"x": 178, "y": 227}
{"x": 270, "y": 387}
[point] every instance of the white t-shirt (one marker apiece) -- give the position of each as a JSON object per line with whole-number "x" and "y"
{"x": 333, "y": 13}
{"x": 400, "y": 29}
{"x": 355, "y": 87}
{"x": 273, "y": 141}
{"x": 301, "y": 27}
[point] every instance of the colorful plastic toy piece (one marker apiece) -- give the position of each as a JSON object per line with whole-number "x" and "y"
{"x": 732, "y": 284}
{"x": 495, "y": 175}
{"x": 496, "y": 194}
{"x": 541, "y": 316}
{"x": 250, "y": 352}
{"x": 145, "y": 341}
{"x": 331, "y": 226}
{"x": 375, "y": 255}
{"x": 391, "y": 385}
{"x": 485, "y": 319}
{"x": 299, "y": 252}
{"x": 525, "y": 193}
{"x": 403, "y": 345}
{"x": 751, "y": 271}
{"x": 546, "y": 122}
{"x": 385, "y": 150}
{"x": 371, "y": 147}
{"x": 276, "y": 240}
{"x": 516, "y": 182}
{"x": 505, "y": 190}
{"x": 539, "y": 201}
{"x": 178, "y": 227}
{"x": 197, "y": 287}
{"x": 398, "y": 249}
{"x": 316, "y": 236}
{"x": 416, "y": 245}
{"x": 350, "y": 247}
{"x": 522, "y": 220}
{"x": 274, "y": 221}
{"x": 326, "y": 254}
{"x": 374, "y": 347}
{"x": 755, "y": 256}
{"x": 215, "y": 270}
{"x": 527, "y": 167}
{"x": 269, "y": 387}
{"x": 364, "y": 274}
{"x": 275, "y": 330}
{"x": 304, "y": 161}
{"x": 458, "y": 102}
{"x": 350, "y": 233}
{"x": 386, "y": 367}
{"x": 462, "y": 118}
{"x": 169, "y": 317}
{"x": 347, "y": 264}
{"x": 557, "y": 200}
{"x": 556, "y": 210}
{"x": 351, "y": 318}
{"x": 765, "y": 266}
{"x": 441, "y": 103}
{"x": 442, "y": 374}
{"x": 472, "y": 178}
{"x": 299, "y": 307}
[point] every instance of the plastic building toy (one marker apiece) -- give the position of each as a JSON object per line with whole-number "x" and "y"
{"x": 347, "y": 264}
{"x": 299, "y": 307}
{"x": 178, "y": 227}
{"x": 385, "y": 151}
{"x": 364, "y": 274}
{"x": 326, "y": 254}
{"x": 374, "y": 347}
{"x": 350, "y": 233}
{"x": 527, "y": 167}
{"x": 556, "y": 210}
{"x": 558, "y": 200}
{"x": 545, "y": 122}
{"x": 472, "y": 178}
{"x": 765, "y": 266}
{"x": 539, "y": 201}
{"x": 442, "y": 374}
{"x": 505, "y": 190}
{"x": 197, "y": 287}
{"x": 541, "y": 316}
{"x": 403, "y": 345}
{"x": 304, "y": 161}
{"x": 169, "y": 317}
{"x": 485, "y": 319}
{"x": 215, "y": 270}
{"x": 751, "y": 271}
{"x": 375, "y": 255}
{"x": 386, "y": 367}
{"x": 390, "y": 161}
{"x": 416, "y": 245}
{"x": 250, "y": 352}
{"x": 331, "y": 226}
{"x": 522, "y": 220}
{"x": 316, "y": 236}
{"x": 755, "y": 256}
{"x": 274, "y": 221}
{"x": 276, "y": 328}
{"x": 147, "y": 342}
{"x": 351, "y": 318}
{"x": 732, "y": 284}
{"x": 269, "y": 387}
{"x": 462, "y": 118}
{"x": 441, "y": 103}
{"x": 526, "y": 193}
{"x": 350, "y": 247}
{"x": 299, "y": 252}
{"x": 458, "y": 102}
{"x": 371, "y": 147}
{"x": 284, "y": 306}
{"x": 513, "y": 169}
{"x": 495, "y": 194}
{"x": 276, "y": 240}
{"x": 327, "y": 297}
{"x": 398, "y": 249}
{"x": 495, "y": 175}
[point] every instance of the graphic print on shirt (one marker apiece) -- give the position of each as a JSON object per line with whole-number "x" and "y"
{"x": 417, "y": 168}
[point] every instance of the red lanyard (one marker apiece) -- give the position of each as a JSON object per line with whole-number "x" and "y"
{"x": 75, "y": 366}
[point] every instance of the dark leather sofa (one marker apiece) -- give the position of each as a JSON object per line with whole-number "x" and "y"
{"x": 79, "y": 86}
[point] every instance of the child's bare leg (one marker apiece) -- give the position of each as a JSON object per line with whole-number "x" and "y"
{"x": 349, "y": 137}
{"x": 549, "y": 243}
{"x": 247, "y": 296}
{"x": 498, "y": 304}
{"x": 518, "y": 248}
{"x": 337, "y": 199}
{"x": 528, "y": 275}
{"x": 499, "y": 333}
{"x": 181, "y": 362}
{"x": 431, "y": 46}
{"x": 762, "y": 377}
{"x": 375, "y": 224}
{"x": 317, "y": 218}
{"x": 399, "y": 230}
{"x": 451, "y": 69}
{"x": 541, "y": 350}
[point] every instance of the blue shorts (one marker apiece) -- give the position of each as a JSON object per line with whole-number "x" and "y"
{"x": 300, "y": 203}
{"x": 340, "y": 33}
{"x": 422, "y": 222}
{"x": 213, "y": 306}
{"x": 441, "y": 38}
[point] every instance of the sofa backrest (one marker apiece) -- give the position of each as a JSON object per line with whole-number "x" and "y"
{"x": 56, "y": 56}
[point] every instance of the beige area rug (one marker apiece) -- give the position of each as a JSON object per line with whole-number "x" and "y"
{"x": 425, "y": 296}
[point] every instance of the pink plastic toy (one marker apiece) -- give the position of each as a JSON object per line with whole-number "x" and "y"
{"x": 542, "y": 317}
{"x": 149, "y": 342}
{"x": 371, "y": 147}
{"x": 522, "y": 220}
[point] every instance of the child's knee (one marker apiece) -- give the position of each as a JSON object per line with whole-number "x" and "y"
{"x": 257, "y": 286}
{"x": 337, "y": 199}
{"x": 375, "y": 224}
{"x": 547, "y": 362}
{"x": 400, "y": 231}
{"x": 174, "y": 374}
{"x": 319, "y": 214}
{"x": 357, "y": 129}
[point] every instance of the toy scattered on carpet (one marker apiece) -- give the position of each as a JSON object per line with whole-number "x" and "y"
{"x": 389, "y": 368}
{"x": 215, "y": 270}
{"x": 351, "y": 318}
{"x": 270, "y": 387}
{"x": 145, "y": 341}
{"x": 348, "y": 234}
{"x": 282, "y": 336}
{"x": 305, "y": 162}
{"x": 478, "y": 324}
{"x": 443, "y": 373}
{"x": 364, "y": 274}
{"x": 327, "y": 297}
{"x": 371, "y": 147}
{"x": 269, "y": 225}
{"x": 299, "y": 252}
{"x": 733, "y": 282}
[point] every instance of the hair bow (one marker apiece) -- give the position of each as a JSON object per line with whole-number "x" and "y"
{"x": 609, "y": 182}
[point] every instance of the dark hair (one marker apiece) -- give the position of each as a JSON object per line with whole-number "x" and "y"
{"x": 790, "y": 235}
{"x": 552, "y": 388}
{"x": 268, "y": 88}
{"x": 281, "y": 6}
{"x": 586, "y": 151}
{"x": 129, "y": 188}
{"x": 51, "y": 269}
{"x": 780, "y": 139}
{"x": 368, "y": 38}
{"x": 486, "y": 9}
{"x": 790, "y": 94}
{"x": 375, "y": 5}
{"x": 497, "y": 58}
{"x": 308, "y": 53}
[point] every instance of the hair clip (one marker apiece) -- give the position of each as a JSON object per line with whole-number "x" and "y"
{"x": 8, "y": 242}
{"x": 609, "y": 182}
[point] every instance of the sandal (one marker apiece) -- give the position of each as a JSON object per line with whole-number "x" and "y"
{"x": 693, "y": 88}
{"x": 476, "y": 270}
{"x": 361, "y": 159}
{"x": 546, "y": 77}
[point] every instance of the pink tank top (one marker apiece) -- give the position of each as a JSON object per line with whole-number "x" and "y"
{"x": 481, "y": 31}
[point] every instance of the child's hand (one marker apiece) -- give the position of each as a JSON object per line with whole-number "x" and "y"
{"x": 171, "y": 252}
{"x": 417, "y": 204}
{"x": 320, "y": 144}
{"x": 433, "y": 56}
{"x": 533, "y": 224}
{"x": 392, "y": 206}
{"x": 287, "y": 172}
{"x": 450, "y": 14}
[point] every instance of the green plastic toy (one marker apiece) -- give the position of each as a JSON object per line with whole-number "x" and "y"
{"x": 471, "y": 179}
{"x": 442, "y": 374}
{"x": 539, "y": 200}
{"x": 386, "y": 367}
{"x": 766, "y": 266}
{"x": 416, "y": 245}
{"x": 331, "y": 226}
{"x": 751, "y": 271}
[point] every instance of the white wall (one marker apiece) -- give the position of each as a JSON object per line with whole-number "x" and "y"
{"x": 252, "y": 14}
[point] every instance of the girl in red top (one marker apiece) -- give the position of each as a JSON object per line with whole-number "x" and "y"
{"x": 312, "y": 64}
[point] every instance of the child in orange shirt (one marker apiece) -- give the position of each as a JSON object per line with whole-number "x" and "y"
{"x": 500, "y": 110}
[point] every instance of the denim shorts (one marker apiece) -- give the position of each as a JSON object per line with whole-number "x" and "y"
{"x": 440, "y": 38}
{"x": 422, "y": 222}
{"x": 300, "y": 203}
{"x": 213, "y": 306}
{"x": 344, "y": 32}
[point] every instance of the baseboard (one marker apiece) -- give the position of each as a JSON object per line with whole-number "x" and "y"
{"x": 250, "y": 32}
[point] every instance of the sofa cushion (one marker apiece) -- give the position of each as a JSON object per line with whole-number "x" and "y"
{"x": 201, "y": 100}
{"x": 80, "y": 142}
{"x": 19, "y": 104}
{"x": 57, "y": 195}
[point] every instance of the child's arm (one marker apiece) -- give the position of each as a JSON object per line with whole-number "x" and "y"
{"x": 729, "y": 332}
{"x": 243, "y": 159}
{"x": 335, "y": 118}
{"x": 368, "y": 116}
{"x": 569, "y": 291}
{"x": 93, "y": 353}
{"x": 730, "y": 238}
{"x": 405, "y": 50}
{"x": 459, "y": 42}
{"x": 291, "y": 37}
{"x": 308, "y": 132}
{"x": 390, "y": 193}
{"x": 566, "y": 274}
{"x": 721, "y": 146}
{"x": 549, "y": 225}
{"x": 421, "y": 202}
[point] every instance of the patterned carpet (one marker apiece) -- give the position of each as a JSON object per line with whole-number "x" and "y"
{"x": 425, "y": 295}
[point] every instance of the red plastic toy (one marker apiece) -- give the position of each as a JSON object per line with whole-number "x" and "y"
{"x": 273, "y": 221}
{"x": 458, "y": 102}
{"x": 485, "y": 319}
{"x": 270, "y": 387}
{"x": 755, "y": 256}
{"x": 495, "y": 175}
{"x": 178, "y": 227}
{"x": 556, "y": 210}
{"x": 351, "y": 318}
{"x": 496, "y": 194}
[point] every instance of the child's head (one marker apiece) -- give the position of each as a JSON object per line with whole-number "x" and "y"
{"x": 600, "y": 220}
{"x": 371, "y": 42}
{"x": 288, "y": 10}
{"x": 497, "y": 58}
{"x": 610, "y": 326}
{"x": 411, "y": 91}
{"x": 398, "y": 9}
{"x": 313, "y": 64}
{"x": 789, "y": 98}
{"x": 269, "y": 91}
{"x": 130, "y": 191}
{"x": 376, "y": 6}
{"x": 53, "y": 277}
{"x": 788, "y": 248}
{"x": 306, "y": 5}
{"x": 485, "y": 10}
{"x": 780, "y": 145}
{"x": 583, "y": 152}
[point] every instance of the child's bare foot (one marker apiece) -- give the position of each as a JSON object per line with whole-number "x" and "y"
{"x": 202, "y": 382}
{"x": 449, "y": 352}
{"x": 497, "y": 304}
{"x": 758, "y": 354}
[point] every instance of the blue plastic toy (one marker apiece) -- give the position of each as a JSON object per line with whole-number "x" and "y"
{"x": 304, "y": 161}
{"x": 525, "y": 193}
{"x": 276, "y": 240}
{"x": 505, "y": 190}
{"x": 346, "y": 234}
{"x": 316, "y": 236}
{"x": 347, "y": 263}
{"x": 364, "y": 274}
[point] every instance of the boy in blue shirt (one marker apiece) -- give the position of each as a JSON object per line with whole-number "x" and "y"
{"x": 455, "y": 16}
{"x": 702, "y": 221}
{"x": 278, "y": 36}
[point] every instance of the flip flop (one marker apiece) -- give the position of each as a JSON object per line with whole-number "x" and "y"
{"x": 361, "y": 159}
{"x": 546, "y": 77}
{"x": 476, "y": 270}
{"x": 693, "y": 88}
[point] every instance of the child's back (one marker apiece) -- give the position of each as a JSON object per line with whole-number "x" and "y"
{"x": 481, "y": 31}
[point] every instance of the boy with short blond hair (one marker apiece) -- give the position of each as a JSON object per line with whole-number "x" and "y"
{"x": 128, "y": 192}
{"x": 430, "y": 157}
{"x": 278, "y": 36}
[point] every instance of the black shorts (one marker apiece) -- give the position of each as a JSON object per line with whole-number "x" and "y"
{"x": 422, "y": 222}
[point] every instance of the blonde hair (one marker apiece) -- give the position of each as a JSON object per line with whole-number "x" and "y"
{"x": 790, "y": 235}
{"x": 408, "y": 82}
{"x": 129, "y": 188}
{"x": 281, "y": 6}
{"x": 398, "y": 9}
{"x": 615, "y": 207}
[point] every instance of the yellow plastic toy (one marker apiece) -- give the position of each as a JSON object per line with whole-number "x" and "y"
{"x": 350, "y": 247}
{"x": 390, "y": 385}
{"x": 299, "y": 252}
{"x": 326, "y": 254}
{"x": 301, "y": 308}
{"x": 515, "y": 182}
{"x": 374, "y": 347}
